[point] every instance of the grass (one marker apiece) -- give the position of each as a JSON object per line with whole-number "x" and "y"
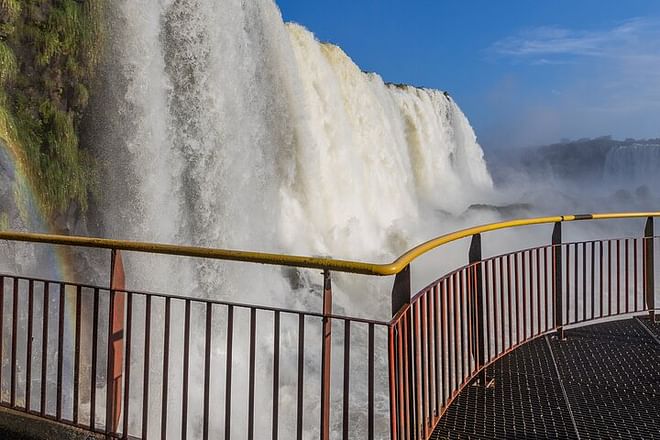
{"x": 47, "y": 66}
{"x": 10, "y": 9}
{"x": 8, "y": 66}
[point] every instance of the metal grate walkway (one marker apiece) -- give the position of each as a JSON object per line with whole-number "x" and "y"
{"x": 602, "y": 382}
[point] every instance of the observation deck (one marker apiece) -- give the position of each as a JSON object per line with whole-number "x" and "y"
{"x": 554, "y": 341}
{"x": 601, "y": 382}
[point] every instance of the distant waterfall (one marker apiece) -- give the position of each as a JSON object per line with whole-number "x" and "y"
{"x": 629, "y": 166}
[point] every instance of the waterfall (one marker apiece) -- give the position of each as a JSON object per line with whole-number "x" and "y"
{"x": 222, "y": 126}
{"x": 216, "y": 124}
{"x": 629, "y": 166}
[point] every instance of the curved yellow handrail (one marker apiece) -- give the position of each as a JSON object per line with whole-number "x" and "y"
{"x": 356, "y": 267}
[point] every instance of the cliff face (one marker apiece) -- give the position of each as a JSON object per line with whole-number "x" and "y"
{"x": 49, "y": 50}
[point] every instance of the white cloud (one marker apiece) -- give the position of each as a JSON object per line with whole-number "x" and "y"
{"x": 549, "y": 44}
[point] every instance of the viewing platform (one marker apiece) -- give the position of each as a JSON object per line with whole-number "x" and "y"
{"x": 601, "y": 382}
{"x": 554, "y": 341}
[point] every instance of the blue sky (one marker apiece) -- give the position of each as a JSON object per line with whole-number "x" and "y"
{"x": 525, "y": 72}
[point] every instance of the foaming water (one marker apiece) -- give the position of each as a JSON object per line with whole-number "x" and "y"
{"x": 218, "y": 125}
{"x": 371, "y": 158}
{"x": 237, "y": 130}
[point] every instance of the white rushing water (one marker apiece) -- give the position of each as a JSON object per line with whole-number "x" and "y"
{"x": 236, "y": 130}
{"x": 222, "y": 126}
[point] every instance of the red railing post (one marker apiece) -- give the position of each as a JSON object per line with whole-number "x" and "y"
{"x": 557, "y": 279}
{"x": 115, "y": 342}
{"x": 478, "y": 317}
{"x": 400, "y": 354}
{"x": 325, "y": 356}
{"x": 649, "y": 282}
{"x": 401, "y": 290}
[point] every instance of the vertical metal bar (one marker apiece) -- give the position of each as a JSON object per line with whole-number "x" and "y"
{"x": 548, "y": 282}
{"x": 635, "y": 289}
{"x": 109, "y": 390}
{"x": 528, "y": 305}
{"x": 523, "y": 294}
{"x": 110, "y": 353}
{"x": 457, "y": 333}
{"x": 609, "y": 277}
{"x": 95, "y": 337}
{"x": 584, "y": 282}
{"x": 127, "y": 362}
{"x": 487, "y": 295}
{"x": 407, "y": 421}
{"x": 448, "y": 340}
{"x": 44, "y": 348}
{"x": 444, "y": 344}
{"x": 514, "y": 291}
{"x": 433, "y": 365}
{"x": 147, "y": 368}
{"x": 166, "y": 359}
{"x": 557, "y": 279}
{"x": 567, "y": 304}
{"x": 14, "y": 343}
{"x": 496, "y": 315}
{"x": 370, "y": 384}
{"x": 626, "y": 263}
{"x": 601, "y": 276}
{"x": 76, "y": 361}
{"x": 207, "y": 370}
{"x": 60, "y": 352}
{"x": 186, "y": 371}
{"x": 528, "y": 291}
{"x": 326, "y": 354}
{"x": 28, "y": 355}
{"x": 116, "y": 338}
{"x": 417, "y": 359}
{"x": 402, "y": 391}
{"x": 464, "y": 325}
{"x": 276, "y": 374}
{"x": 466, "y": 319}
{"x": 510, "y": 293}
{"x": 649, "y": 280}
{"x": 347, "y": 377}
{"x": 431, "y": 350}
{"x": 301, "y": 375}
{"x": 474, "y": 257}
{"x": 392, "y": 370}
{"x": 401, "y": 290}
{"x": 466, "y": 296}
{"x": 253, "y": 337}
{"x": 228, "y": 368}
{"x": 539, "y": 313}
{"x": 423, "y": 347}
{"x": 618, "y": 276}
{"x": 593, "y": 280}
{"x": 576, "y": 281}
{"x": 502, "y": 301}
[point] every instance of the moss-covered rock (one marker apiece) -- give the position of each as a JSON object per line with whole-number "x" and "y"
{"x": 49, "y": 51}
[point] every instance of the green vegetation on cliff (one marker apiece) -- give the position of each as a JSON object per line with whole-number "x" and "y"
{"x": 49, "y": 50}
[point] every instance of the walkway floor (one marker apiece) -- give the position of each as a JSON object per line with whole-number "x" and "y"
{"x": 602, "y": 382}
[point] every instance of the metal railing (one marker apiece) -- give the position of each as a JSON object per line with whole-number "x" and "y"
{"x": 142, "y": 365}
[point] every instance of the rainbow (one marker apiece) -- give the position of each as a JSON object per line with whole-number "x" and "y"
{"x": 58, "y": 264}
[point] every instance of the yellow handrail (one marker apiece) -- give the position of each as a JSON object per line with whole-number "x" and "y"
{"x": 356, "y": 267}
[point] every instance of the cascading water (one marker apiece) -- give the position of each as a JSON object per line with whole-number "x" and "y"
{"x": 221, "y": 126}
{"x": 236, "y": 130}
{"x": 218, "y": 125}
{"x": 629, "y": 166}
